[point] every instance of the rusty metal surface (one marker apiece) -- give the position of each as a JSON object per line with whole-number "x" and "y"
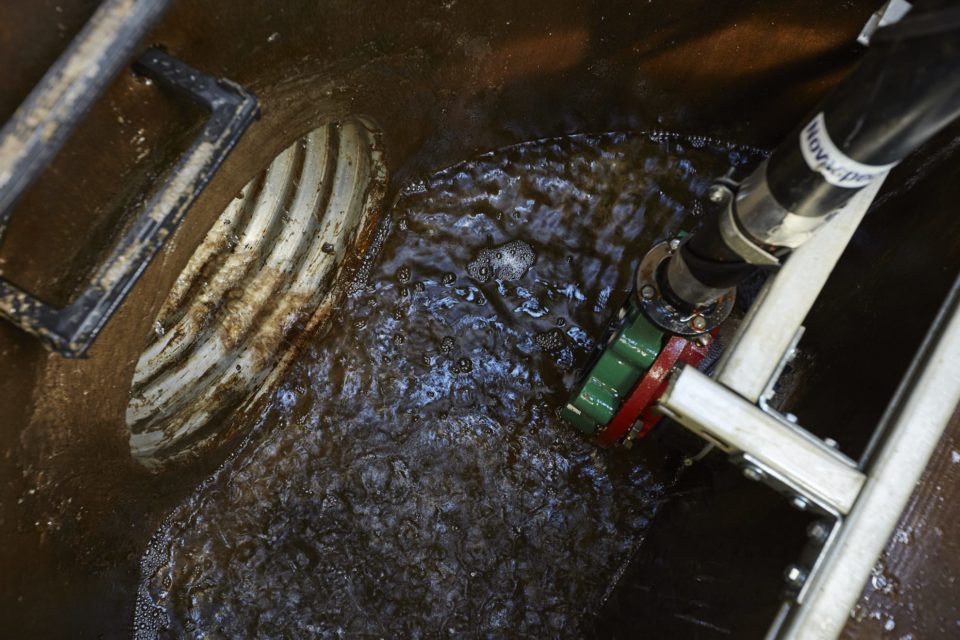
{"x": 270, "y": 269}
{"x": 71, "y": 330}
{"x": 27, "y": 59}
{"x": 45, "y": 120}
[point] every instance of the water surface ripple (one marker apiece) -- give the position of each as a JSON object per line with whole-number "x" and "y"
{"x": 410, "y": 477}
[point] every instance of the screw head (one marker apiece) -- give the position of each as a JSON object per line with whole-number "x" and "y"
{"x": 675, "y": 244}
{"x": 830, "y": 442}
{"x": 698, "y": 323}
{"x": 818, "y": 531}
{"x": 716, "y": 194}
{"x": 647, "y": 291}
{"x": 795, "y": 576}
{"x": 800, "y": 503}
{"x": 751, "y": 472}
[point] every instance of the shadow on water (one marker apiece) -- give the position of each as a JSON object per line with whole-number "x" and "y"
{"x": 411, "y": 478}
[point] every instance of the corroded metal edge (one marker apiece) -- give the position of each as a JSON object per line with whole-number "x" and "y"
{"x": 71, "y": 330}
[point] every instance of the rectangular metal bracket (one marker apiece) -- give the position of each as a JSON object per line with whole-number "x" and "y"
{"x": 801, "y": 464}
{"x": 859, "y": 502}
{"x": 72, "y": 329}
{"x": 46, "y": 118}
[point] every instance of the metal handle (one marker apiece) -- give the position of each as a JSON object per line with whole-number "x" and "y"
{"x": 42, "y": 124}
{"x": 72, "y": 329}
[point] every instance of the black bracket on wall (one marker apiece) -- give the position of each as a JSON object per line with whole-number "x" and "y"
{"x": 56, "y": 106}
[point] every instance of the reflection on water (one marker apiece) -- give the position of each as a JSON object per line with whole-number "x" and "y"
{"x": 410, "y": 477}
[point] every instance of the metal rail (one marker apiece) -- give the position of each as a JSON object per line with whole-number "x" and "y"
{"x": 71, "y": 330}
{"x": 44, "y": 121}
{"x": 766, "y": 333}
{"x": 778, "y": 452}
{"x": 910, "y": 430}
{"x": 860, "y": 502}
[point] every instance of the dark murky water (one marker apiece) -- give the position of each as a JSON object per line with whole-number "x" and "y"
{"x": 414, "y": 480}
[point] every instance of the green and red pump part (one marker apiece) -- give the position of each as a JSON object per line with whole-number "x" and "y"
{"x": 615, "y": 401}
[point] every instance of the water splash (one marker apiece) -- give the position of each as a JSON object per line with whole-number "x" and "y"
{"x": 509, "y": 261}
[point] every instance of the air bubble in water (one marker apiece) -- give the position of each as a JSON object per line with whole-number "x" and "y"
{"x": 509, "y": 261}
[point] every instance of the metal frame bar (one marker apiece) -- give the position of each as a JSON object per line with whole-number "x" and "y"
{"x": 44, "y": 121}
{"x": 804, "y": 465}
{"x": 863, "y": 500}
{"x": 72, "y": 329}
{"x": 759, "y": 437}
{"x": 765, "y": 335}
{"x": 825, "y": 585}
{"x": 913, "y": 425}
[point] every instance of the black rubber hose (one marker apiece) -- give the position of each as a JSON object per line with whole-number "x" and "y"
{"x": 709, "y": 258}
{"x": 906, "y": 89}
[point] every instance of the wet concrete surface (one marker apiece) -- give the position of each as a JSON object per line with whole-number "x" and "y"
{"x": 913, "y": 591}
{"x": 711, "y": 566}
{"x": 410, "y": 477}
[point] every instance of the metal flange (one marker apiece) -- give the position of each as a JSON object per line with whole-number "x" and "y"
{"x": 661, "y": 312}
